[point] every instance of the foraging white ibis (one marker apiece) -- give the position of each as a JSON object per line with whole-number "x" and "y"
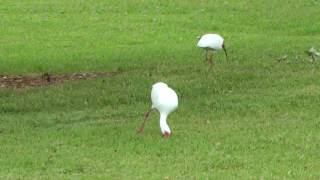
{"x": 212, "y": 42}
{"x": 165, "y": 100}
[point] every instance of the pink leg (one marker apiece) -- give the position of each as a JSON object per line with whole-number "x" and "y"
{"x": 144, "y": 120}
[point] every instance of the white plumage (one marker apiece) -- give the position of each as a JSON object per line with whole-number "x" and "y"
{"x": 165, "y": 100}
{"x": 211, "y": 42}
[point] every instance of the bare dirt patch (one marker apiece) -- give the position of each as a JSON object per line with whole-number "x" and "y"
{"x": 21, "y": 81}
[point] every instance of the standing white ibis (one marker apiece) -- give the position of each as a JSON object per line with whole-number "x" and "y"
{"x": 212, "y": 42}
{"x": 165, "y": 100}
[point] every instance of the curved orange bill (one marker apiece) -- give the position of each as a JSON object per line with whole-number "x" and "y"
{"x": 225, "y": 50}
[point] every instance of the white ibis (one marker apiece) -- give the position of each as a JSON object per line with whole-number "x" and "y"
{"x": 165, "y": 100}
{"x": 212, "y": 42}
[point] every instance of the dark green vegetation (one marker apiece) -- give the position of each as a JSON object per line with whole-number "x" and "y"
{"x": 252, "y": 117}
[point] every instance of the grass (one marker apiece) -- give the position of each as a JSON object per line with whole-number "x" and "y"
{"x": 252, "y": 117}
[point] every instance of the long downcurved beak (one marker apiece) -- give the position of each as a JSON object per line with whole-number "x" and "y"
{"x": 225, "y": 50}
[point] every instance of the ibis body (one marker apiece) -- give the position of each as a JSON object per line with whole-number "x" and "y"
{"x": 165, "y": 100}
{"x": 212, "y": 42}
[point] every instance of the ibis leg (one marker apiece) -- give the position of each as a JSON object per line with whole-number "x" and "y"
{"x": 210, "y": 60}
{"x": 206, "y": 54}
{"x": 144, "y": 120}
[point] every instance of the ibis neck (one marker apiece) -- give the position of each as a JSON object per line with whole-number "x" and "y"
{"x": 163, "y": 123}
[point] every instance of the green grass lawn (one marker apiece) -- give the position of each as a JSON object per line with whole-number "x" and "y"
{"x": 249, "y": 118}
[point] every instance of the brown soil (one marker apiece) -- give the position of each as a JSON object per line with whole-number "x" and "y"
{"x": 21, "y": 81}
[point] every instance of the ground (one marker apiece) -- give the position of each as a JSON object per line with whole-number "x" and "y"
{"x": 252, "y": 117}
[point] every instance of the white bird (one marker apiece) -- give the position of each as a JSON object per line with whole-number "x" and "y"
{"x": 165, "y": 100}
{"x": 212, "y": 42}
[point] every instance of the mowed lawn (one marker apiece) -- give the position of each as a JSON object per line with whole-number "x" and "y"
{"x": 251, "y": 117}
